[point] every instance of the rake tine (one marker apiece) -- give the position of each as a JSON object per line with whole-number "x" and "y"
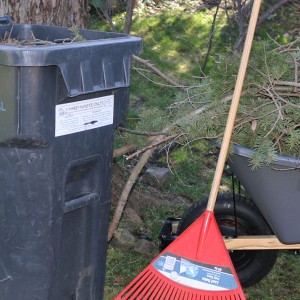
{"x": 137, "y": 285}
{"x": 153, "y": 290}
{"x": 141, "y": 289}
{"x": 170, "y": 292}
{"x": 165, "y": 290}
{"x": 159, "y": 291}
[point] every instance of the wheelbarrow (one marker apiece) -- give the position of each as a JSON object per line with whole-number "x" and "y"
{"x": 259, "y": 216}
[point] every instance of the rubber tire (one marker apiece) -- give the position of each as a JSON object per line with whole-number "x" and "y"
{"x": 252, "y": 265}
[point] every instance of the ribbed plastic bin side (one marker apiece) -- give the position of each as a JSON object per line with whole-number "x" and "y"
{"x": 274, "y": 189}
{"x": 59, "y": 105}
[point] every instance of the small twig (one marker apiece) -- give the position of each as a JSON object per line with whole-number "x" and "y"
{"x": 288, "y": 83}
{"x": 240, "y": 124}
{"x": 155, "y": 82}
{"x": 286, "y": 101}
{"x": 178, "y": 104}
{"x": 153, "y": 145}
{"x": 277, "y": 104}
{"x": 296, "y": 73}
{"x": 157, "y": 71}
{"x": 137, "y": 132}
{"x": 123, "y": 150}
{"x": 279, "y": 117}
{"x": 287, "y": 47}
{"x": 277, "y": 142}
{"x": 270, "y": 11}
{"x": 289, "y": 95}
{"x": 107, "y": 17}
{"x": 211, "y": 36}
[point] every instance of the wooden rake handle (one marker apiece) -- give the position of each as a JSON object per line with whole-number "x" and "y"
{"x": 234, "y": 107}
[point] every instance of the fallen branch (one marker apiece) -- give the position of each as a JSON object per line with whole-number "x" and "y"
{"x": 125, "y": 193}
{"x": 138, "y": 168}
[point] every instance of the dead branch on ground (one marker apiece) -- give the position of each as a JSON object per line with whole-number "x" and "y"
{"x": 138, "y": 168}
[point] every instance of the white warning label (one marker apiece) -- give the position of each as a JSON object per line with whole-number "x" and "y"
{"x": 84, "y": 115}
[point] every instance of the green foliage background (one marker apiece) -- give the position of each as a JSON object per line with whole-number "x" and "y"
{"x": 268, "y": 118}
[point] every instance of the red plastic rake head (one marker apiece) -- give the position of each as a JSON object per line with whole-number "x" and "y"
{"x": 190, "y": 268}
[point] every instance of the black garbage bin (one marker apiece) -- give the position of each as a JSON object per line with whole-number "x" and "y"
{"x": 60, "y": 102}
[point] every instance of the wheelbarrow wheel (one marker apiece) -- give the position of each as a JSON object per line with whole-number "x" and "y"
{"x": 252, "y": 265}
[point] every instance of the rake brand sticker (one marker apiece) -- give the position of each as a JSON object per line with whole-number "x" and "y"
{"x": 84, "y": 115}
{"x": 195, "y": 274}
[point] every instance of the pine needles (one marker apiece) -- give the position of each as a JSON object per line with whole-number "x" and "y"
{"x": 268, "y": 119}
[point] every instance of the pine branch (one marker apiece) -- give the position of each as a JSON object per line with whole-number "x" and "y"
{"x": 265, "y": 115}
{"x": 138, "y": 168}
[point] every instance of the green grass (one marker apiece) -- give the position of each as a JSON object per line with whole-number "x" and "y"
{"x": 282, "y": 282}
{"x": 121, "y": 267}
{"x": 174, "y": 42}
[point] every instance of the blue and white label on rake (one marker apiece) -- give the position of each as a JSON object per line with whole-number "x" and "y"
{"x": 195, "y": 274}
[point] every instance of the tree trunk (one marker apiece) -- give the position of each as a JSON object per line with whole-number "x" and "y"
{"x": 129, "y": 15}
{"x": 244, "y": 13}
{"x": 51, "y": 12}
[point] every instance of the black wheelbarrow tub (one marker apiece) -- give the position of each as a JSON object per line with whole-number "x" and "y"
{"x": 275, "y": 190}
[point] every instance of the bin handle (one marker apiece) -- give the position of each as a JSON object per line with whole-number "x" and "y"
{"x": 80, "y": 202}
{"x": 6, "y": 20}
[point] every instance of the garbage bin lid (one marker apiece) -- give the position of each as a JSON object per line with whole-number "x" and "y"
{"x": 88, "y": 65}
